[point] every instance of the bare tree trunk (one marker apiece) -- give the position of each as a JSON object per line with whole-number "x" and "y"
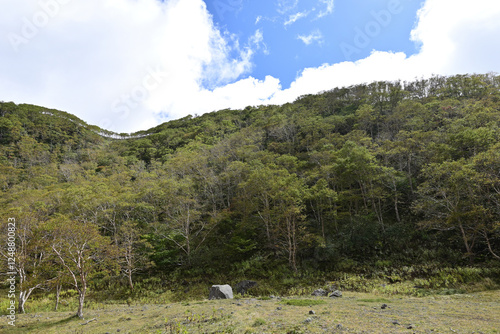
{"x": 82, "y": 288}
{"x": 292, "y": 243}
{"x": 81, "y": 300}
{"x": 130, "y": 283}
{"x": 489, "y": 245}
{"x": 23, "y": 297}
{"x": 398, "y": 218}
{"x": 129, "y": 257}
{"x": 335, "y": 216}
{"x": 58, "y": 295}
{"x": 468, "y": 246}
{"x": 396, "y": 209}
{"x": 409, "y": 174}
{"x": 22, "y": 301}
{"x": 187, "y": 231}
{"x": 266, "y": 219}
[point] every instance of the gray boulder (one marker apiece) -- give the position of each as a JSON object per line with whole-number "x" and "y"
{"x": 221, "y": 292}
{"x": 319, "y": 293}
{"x": 243, "y": 286}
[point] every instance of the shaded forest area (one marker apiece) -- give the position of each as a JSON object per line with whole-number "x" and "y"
{"x": 394, "y": 180}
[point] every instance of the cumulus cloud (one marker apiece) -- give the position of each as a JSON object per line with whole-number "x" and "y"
{"x": 118, "y": 63}
{"x": 127, "y": 65}
{"x": 455, "y": 36}
{"x": 378, "y": 66}
{"x": 459, "y": 35}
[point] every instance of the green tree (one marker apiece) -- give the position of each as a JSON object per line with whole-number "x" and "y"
{"x": 277, "y": 198}
{"x": 32, "y": 256}
{"x": 487, "y": 164}
{"x": 450, "y": 199}
{"x": 368, "y": 119}
{"x": 322, "y": 202}
{"x": 82, "y": 252}
{"x": 132, "y": 251}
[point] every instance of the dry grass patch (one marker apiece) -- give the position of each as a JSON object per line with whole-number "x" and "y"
{"x": 353, "y": 313}
{"x": 304, "y": 302}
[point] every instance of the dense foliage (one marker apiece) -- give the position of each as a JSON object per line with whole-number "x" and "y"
{"x": 370, "y": 176}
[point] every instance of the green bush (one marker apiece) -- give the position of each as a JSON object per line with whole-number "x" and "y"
{"x": 258, "y": 322}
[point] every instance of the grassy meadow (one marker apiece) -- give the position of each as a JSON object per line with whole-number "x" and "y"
{"x": 353, "y": 313}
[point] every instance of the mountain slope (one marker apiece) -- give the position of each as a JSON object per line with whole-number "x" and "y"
{"x": 361, "y": 179}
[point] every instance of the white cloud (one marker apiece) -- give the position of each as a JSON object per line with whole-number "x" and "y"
{"x": 459, "y": 35}
{"x": 285, "y": 6}
{"x": 94, "y": 58}
{"x": 455, "y": 36}
{"x": 295, "y": 17}
{"x": 378, "y": 66}
{"x": 329, "y": 5}
{"x": 315, "y": 36}
{"x": 121, "y": 64}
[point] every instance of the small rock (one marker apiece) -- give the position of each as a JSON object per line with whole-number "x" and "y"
{"x": 410, "y": 327}
{"x": 384, "y": 306}
{"x": 312, "y": 312}
{"x": 243, "y": 286}
{"x": 395, "y": 323}
{"x": 279, "y": 308}
{"x": 308, "y": 320}
{"x": 336, "y": 294}
{"x": 339, "y": 326}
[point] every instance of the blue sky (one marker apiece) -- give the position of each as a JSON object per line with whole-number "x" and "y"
{"x": 128, "y": 65}
{"x": 301, "y": 34}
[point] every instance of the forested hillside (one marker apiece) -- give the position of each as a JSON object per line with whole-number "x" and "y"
{"x": 364, "y": 180}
